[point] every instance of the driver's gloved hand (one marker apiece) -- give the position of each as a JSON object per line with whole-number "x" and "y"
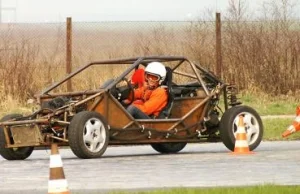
{"x": 138, "y": 101}
{"x": 126, "y": 101}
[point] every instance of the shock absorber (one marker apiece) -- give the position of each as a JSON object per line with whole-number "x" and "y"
{"x": 232, "y": 93}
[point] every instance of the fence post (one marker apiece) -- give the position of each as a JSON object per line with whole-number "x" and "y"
{"x": 218, "y": 46}
{"x": 69, "y": 52}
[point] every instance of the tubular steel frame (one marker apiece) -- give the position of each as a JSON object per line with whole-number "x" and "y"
{"x": 183, "y": 128}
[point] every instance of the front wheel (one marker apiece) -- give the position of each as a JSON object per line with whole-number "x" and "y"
{"x": 229, "y": 125}
{"x": 168, "y": 148}
{"x": 88, "y": 135}
{"x": 20, "y": 153}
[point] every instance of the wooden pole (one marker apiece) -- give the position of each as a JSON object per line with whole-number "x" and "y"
{"x": 218, "y": 46}
{"x": 69, "y": 52}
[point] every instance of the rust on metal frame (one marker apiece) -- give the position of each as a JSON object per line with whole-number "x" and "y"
{"x": 6, "y": 135}
{"x": 109, "y": 103}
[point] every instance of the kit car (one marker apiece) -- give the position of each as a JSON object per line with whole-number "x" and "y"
{"x": 93, "y": 116}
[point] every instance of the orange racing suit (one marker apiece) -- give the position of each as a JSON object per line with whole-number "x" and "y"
{"x": 151, "y": 102}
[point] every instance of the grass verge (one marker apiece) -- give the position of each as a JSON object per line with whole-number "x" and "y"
{"x": 263, "y": 189}
{"x": 273, "y": 128}
{"x": 268, "y": 105}
{"x": 10, "y": 105}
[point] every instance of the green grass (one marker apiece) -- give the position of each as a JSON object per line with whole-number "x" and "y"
{"x": 273, "y": 128}
{"x": 263, "y": 189}
{"x": 268, "y": 105}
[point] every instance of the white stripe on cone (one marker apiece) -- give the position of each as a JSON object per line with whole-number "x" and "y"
{"x": 55, "y": 161}
{"x": 241, "y": 143}
{"x": 241, "y": 129}
{"x": 57, "y": 186}
{"x": 291, "y": 128}
{"x": 297, "y": 119}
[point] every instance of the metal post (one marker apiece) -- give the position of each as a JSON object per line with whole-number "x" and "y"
{"x": 218, "y": 46}
{"x": 69, "y": 52}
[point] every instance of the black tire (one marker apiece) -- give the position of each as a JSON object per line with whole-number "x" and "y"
{"x": 20, "y": 153}
{"x": 78, "y": 128}
{"x": 168, "y": 148}
{"x": 229, "y": 124}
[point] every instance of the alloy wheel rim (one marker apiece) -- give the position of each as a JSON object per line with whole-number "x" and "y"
{"x": 94, "y": 135}
{"x": 252, "y": 127}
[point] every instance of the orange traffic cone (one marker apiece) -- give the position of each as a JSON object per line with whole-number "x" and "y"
{"x": 295, "y": 126}
{"x": 57, "y": 182}
{"x": 241, "y": 143}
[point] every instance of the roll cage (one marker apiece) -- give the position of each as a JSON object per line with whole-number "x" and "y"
{"x": 185, "y": 125}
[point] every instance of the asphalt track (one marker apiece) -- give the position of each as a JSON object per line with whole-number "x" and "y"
{"x": 140, "y": 168}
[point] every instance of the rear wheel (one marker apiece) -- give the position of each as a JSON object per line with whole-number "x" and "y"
{"x": 229, "y": 125}
{"x": 168, "y": 148}
{"x": 88, "y": 135}
{"x": 20, "y": 153}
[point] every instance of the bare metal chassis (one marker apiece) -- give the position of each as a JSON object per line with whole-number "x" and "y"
{"x": 184, "y": 125}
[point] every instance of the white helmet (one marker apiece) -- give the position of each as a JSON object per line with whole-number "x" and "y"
{"x": 158, "y": 69}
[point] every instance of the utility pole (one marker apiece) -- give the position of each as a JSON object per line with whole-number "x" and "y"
{"x": 219, "y": 65}
{"x": 69, "y": 52}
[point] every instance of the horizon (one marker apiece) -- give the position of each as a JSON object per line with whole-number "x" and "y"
{"x": 45, "y": 11}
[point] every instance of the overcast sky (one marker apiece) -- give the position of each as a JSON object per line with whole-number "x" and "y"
{"x": 111, "y": 10}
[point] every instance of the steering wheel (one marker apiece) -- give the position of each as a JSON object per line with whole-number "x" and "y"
{"x": 131, "y": 91}
{"x": 124, "y": 92}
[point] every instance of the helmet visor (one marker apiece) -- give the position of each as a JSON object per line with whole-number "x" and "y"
{"x": 152, "y": 77}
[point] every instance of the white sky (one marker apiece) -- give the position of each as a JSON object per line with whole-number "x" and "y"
{"x": 112, "y": 10}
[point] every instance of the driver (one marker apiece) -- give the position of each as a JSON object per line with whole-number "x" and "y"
{"x": 150, "y": 98}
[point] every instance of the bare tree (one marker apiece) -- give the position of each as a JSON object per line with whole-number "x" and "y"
{"x": 237, "y": 10}
{"x": 281, "y": 10}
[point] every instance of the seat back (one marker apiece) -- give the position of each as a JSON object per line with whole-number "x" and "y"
{"x": 166, "y": 111}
